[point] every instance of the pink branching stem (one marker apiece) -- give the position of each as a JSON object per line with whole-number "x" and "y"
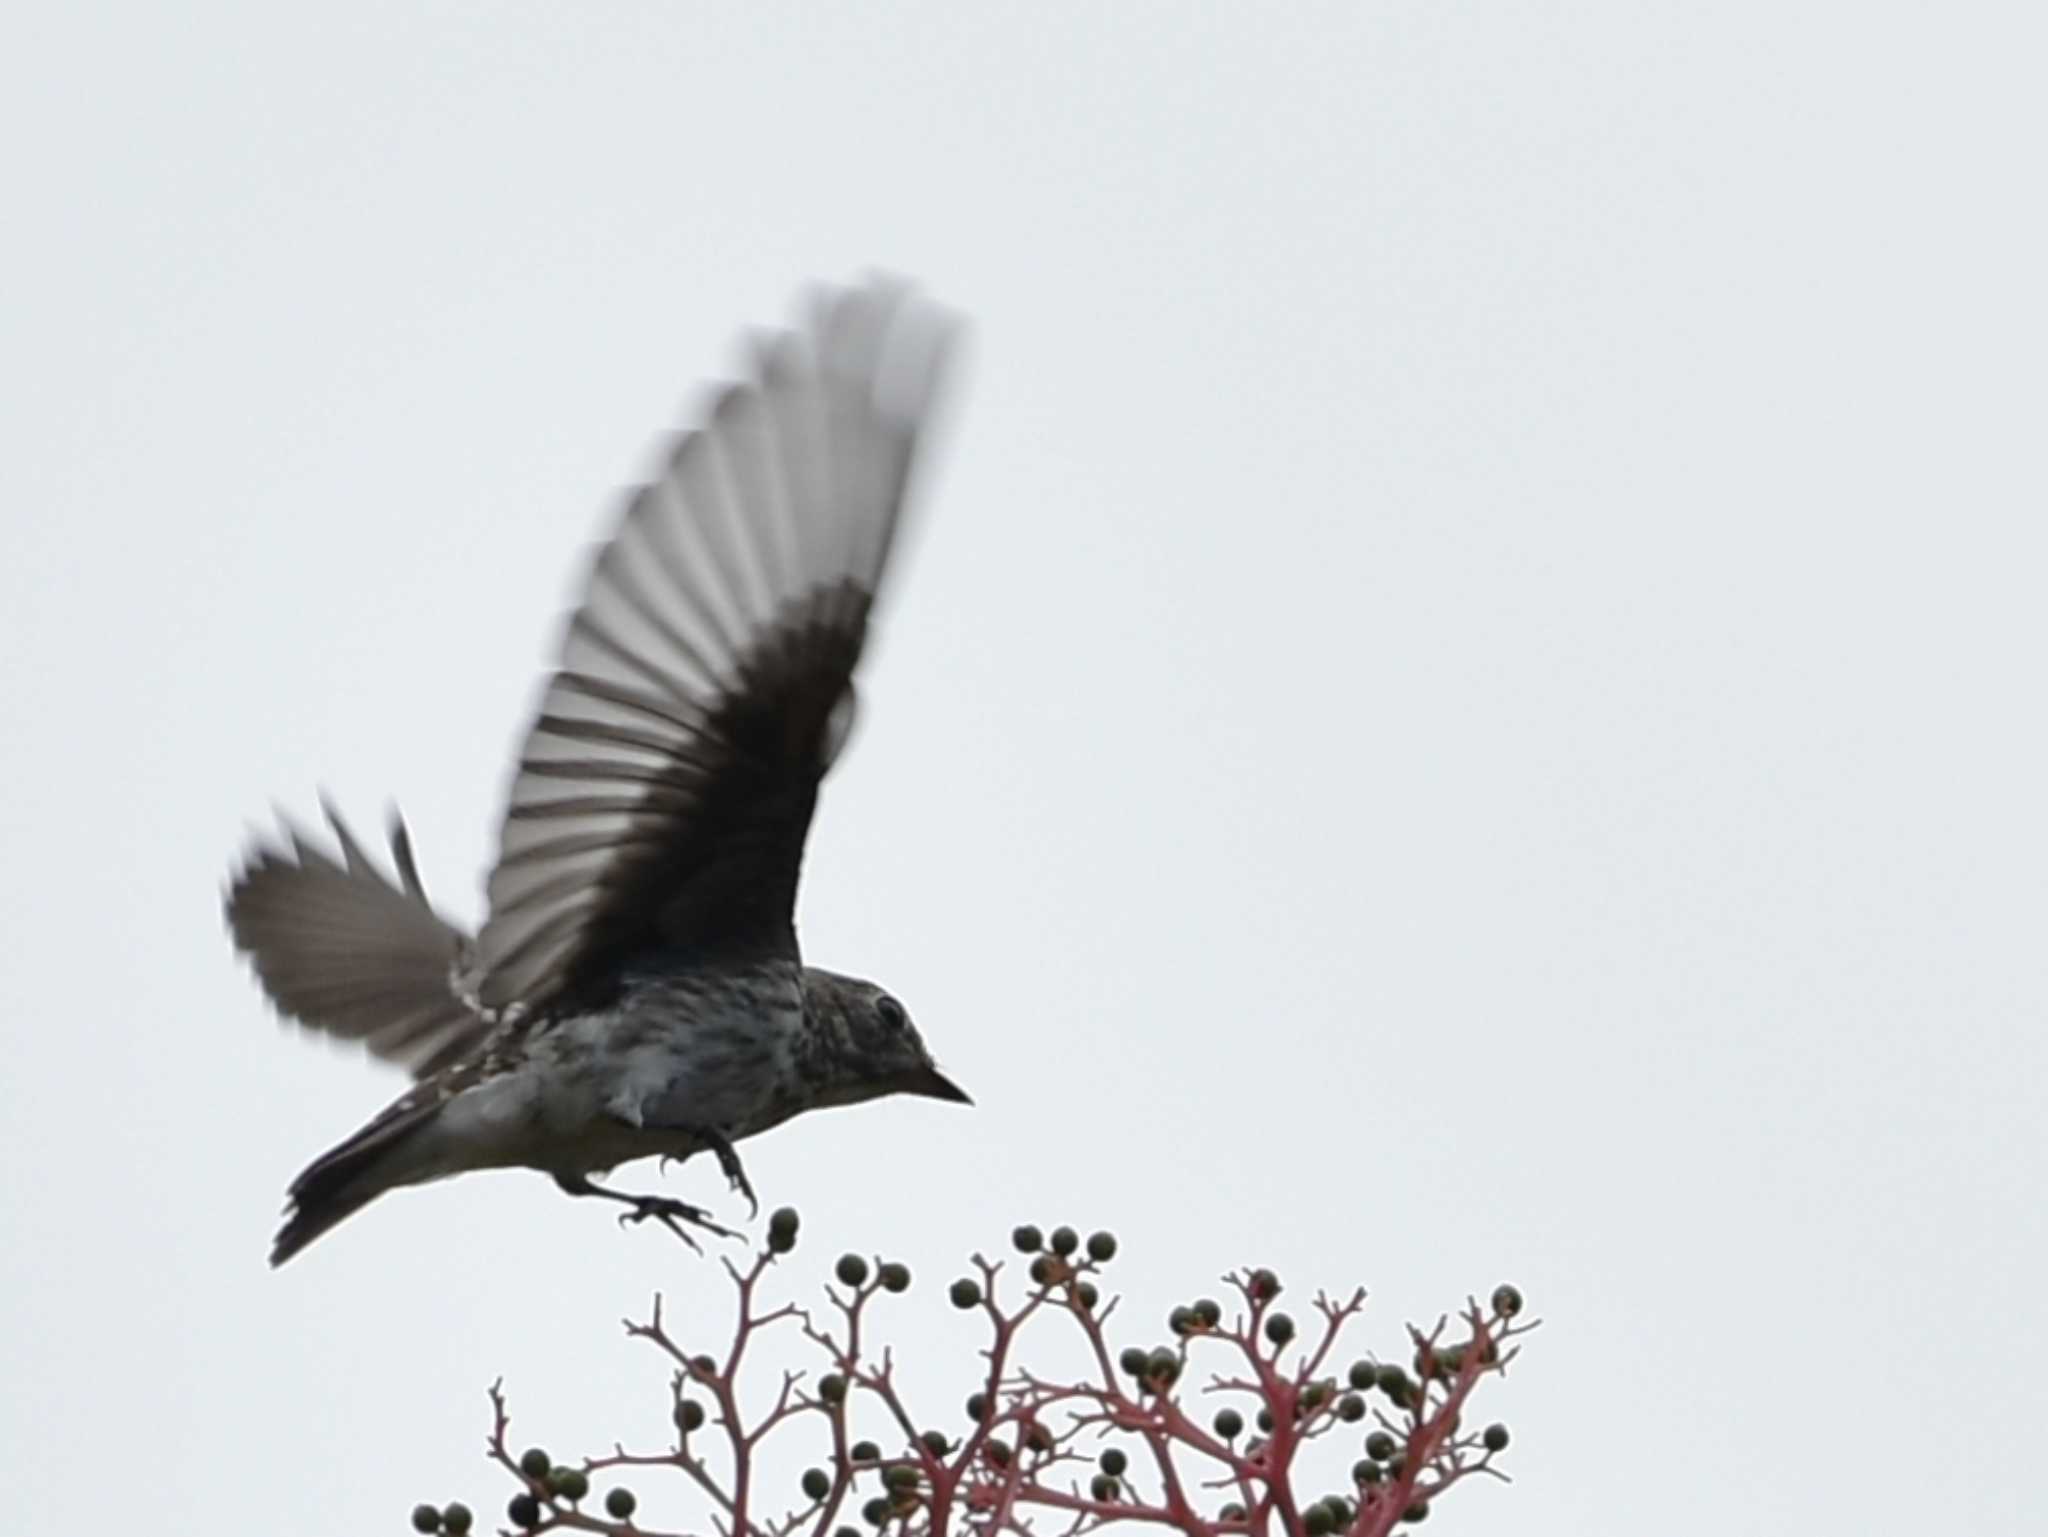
{"x": 1022, "y": 1452}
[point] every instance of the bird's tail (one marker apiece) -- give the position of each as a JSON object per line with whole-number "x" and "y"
{"x": 347, "y": 1177}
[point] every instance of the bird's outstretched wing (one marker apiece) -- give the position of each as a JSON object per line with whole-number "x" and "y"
{"x": 342, "y": 948}
{"x": 704, "y": 683}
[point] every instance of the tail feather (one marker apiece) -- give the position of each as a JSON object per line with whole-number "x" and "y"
{"x": 347, "y": 1177}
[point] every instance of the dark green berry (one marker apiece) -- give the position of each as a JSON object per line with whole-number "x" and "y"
{"x": 1209, "y": 1312}
{"x": 1381, "y": 1447}
{"x": 1351, "y": 1408}
{"x": 1102, "y": 1247}
{"x": 1279, "y": 1328}
{"x": 1038, "y": 1439}
{"x": 876, "y": 1511}
{"x": 966, "y": 1293}
{"x": 457, "y": 1518}
{"x": 977, "y": 1407}
{"x": 845, "y": 1531}
{"x": 1364, "y": 1375}
{"x": 1086, "y": 1294}
{"x": 782, "y": 1225}
{"x": 900, "y": 1475}
{"x": 1229, "y": 1424}
{"x": 426, "y": 1519}
{"x": 1341, "y": 1510}
{"x": 1419, "y": 1511}
{"x": 997, "y": 1452}
{"x": 1162, "y": 1367}
{"x": 535, "y": 1463}
{"x": 894, "y": 1276}
{"x": 1507, "y": 1300}
{"x": 935, "y": 1442}
{"x": 852, "y": 1270}
{"x": 1181, "y": 1320}
{"x": 620, "y": 1504}
{"x": 1042, "y": 1271}
{"x": 704, "y": 1367}
{"x": 1133, "y": 1360}
{"x": 524, "y": 1510}
{"x": 832, "y": 1388}
{"x": 1265, "y": 1285}
{"x": 1366, "y": 1471}
{"x": 865, "y": 1451}
{"x": 1064, "y": 1241}
{"x": 1103, "y": 1487}
{"x": 1316, "y": 1394}
{"x": 1231, "y": 1512}
{"x": 817, "y": 1483}
{"x": 1317, "y": 1521}
{"x": 1395, "y": 1384}
{"x": 1265, "y": 1421}
{"x": 689, "y": 1415}
{"x": 1113, "y": 1461}
{"x": 1028, "y": 1239}
{"x": 1496, "y": 1438}
{"x": 569, "y": 1483}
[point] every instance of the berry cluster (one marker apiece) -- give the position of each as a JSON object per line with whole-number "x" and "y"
{"x": 1120, "y": 1443}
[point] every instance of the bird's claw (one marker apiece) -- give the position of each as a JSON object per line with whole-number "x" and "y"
{"x": 672, "y": 1214}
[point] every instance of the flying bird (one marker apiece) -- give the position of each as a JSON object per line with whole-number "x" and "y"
{"x": 636, "y": 987}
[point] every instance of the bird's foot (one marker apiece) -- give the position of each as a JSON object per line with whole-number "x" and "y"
{"x": 673, "y": 1214}
{"x": 729, "y": 1161}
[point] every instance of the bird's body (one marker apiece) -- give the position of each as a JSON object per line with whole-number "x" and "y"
{"x": 637, "y": 989}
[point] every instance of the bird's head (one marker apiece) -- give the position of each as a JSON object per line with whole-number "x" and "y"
{"x": 865, "y": 1045}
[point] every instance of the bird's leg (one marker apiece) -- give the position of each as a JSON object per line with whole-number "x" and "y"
{"x": 666, "y": 1210}
{"x": 729, "y": 1161}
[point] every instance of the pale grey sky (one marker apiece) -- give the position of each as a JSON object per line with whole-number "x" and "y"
{"x": 1467, "y": 702}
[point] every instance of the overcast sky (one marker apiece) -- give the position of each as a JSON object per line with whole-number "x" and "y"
{"x": 1466, "y": 702}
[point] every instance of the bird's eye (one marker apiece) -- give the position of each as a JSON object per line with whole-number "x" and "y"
{"x": 891, "y": 1012}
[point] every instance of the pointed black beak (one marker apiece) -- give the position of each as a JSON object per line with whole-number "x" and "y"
{"x": 933, "y": 1084}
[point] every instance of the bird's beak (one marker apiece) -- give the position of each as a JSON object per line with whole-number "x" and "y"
{"x": 933, "y": 1084}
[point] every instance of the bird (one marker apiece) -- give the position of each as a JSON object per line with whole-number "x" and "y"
{"x": 636, "y": 987}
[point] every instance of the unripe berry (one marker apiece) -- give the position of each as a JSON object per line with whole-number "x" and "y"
{"x": 1265, "y": 1285}
{"x": 1419, "y": 1511}
{"x": 832, "y": 1388}
{"x": 1103, "y": 1487}
{"x": 1028, "y": 1239}
{"x": 1279, "y": 1328}
{"x": 1086, "y": 1295}
{"x": 426, "y": 1519}
{"x": 570, "y": 1484}
{"x": 535, "y": 1462}
{"x": 1229, "y": 1424}
{"x": 1064, "y": 1241}
{"x": 1113, "y": 1461}
{"x": 935, "y": 1443}
{"x": 876, "y": 1511}
{"x": 457, "y": 1518}
{"x": 1317, "y": 1522}
{"x": 620, "y": 1504}
{"x": 1364, "y": 1375}
{"x": 1351, "y": 1408}
{"x": 852, "y": 1270}
{"x": 1102, "y": 1247}
{"x": 1209, "y": 1312}
{"x": 1507, "y": 1300}
{"x": 966, "y": 1293}
{"x": 865, "y": 1451}
{"x": 1133, "y": 1360}
{"x": 817, "y": 1483}
{"x": 1496, "y": 1438}
{"x": 689, "y": 1415}
{"x": 782, "y": 1226}
{"x": 524, "y": 1510}
{"x": 894, "y": 1277}
{"x": 1380, "y": 1446}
